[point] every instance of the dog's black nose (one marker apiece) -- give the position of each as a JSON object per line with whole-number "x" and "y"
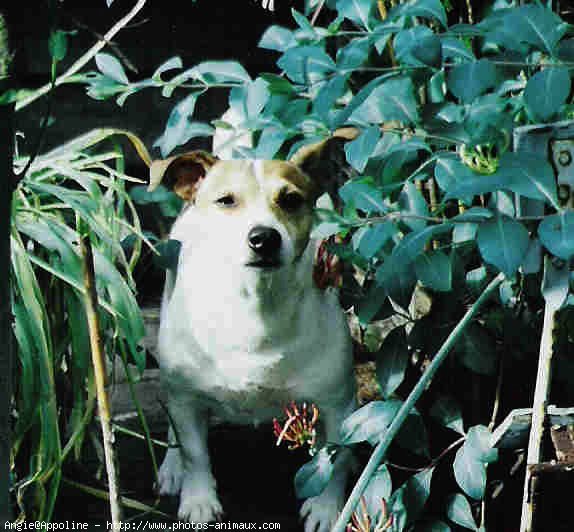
{"x": 264, "y": 240}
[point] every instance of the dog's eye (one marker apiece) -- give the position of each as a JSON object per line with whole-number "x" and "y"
{"x": 226, "y": 201}
{"x": 291, "y": 201}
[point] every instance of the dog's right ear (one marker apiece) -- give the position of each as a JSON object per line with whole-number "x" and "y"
{"x": 181, "y": 173}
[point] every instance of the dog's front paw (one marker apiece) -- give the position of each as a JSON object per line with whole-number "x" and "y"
{"x": 170, "y": 473}
{"x": 198, "y": 501}
{"x": 321, "y": 512}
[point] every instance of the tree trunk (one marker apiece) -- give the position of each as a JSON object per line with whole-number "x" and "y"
{"x": 7, "y": 180}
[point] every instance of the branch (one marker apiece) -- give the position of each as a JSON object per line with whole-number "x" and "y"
{"x": 407, "y": 406}
{"x": 84, "y": 59}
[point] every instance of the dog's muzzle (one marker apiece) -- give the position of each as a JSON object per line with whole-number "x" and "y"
{"x": 265, "y": 242}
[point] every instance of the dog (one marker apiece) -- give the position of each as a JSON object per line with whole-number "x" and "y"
{"x": 243, "y": 329}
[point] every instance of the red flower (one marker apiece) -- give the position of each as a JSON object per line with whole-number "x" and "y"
{"x": 299, "y": 428}
{"x": 361, "y": 521}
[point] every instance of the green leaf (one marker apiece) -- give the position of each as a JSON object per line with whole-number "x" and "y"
{"x": 363, "y": 195}
{"x": 171, "y": 64}
{"x": 392, "y": 361}
{"x": 277, "y": 38}
{"x": 398, "y": 279}
{"x": 356, "y": 11}
{"x": 471, "y": 461}
{"x": 413, "y": 203}
{"x": 476, "y": 350}
{"x": 430, "y": 9}
{"x": 418, "y": 46}
{"x": 354, "y": 54}
{"x": 369, "y": 422}
{"x": 408, "y": 501}
{"x": 469, "y": 80}
{"x": 58, "y": 44}
{"x": 546, "y": 92}
{"x": 458, "y": 510}
{"x": 168, "y": 254}
{"x": 312, "y": 477}
{"x": 453, "y": 48}
{"x": 394, "y": 99}
{"x": 379, "y": 487}
{"x": 360, "y": 150}
{"x": 369, "y": 240}
{"x": 220, "y": 72}
{"x": 327, "y": 96}
{"x": 555, "y": 284}
{"x": 434, "y": 270}
{"x": 556, "y": 232}
{"x": 372, "y": 305}
{"x": 109, "y": 66}
{"x": 503, "y": 242}
{"x": 306, "y": 64}
{"x": 529, "y": 175}
{"x": 446, "y": 411}
{"x": 537, "y": 25}
{"x": 412, "y": 244}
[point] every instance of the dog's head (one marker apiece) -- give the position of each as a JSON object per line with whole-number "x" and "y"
{"x": 250, "y": 213}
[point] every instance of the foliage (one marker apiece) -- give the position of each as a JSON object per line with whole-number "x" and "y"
{"x": 76, "y": 188}
{"x": 438, "y": 203}
{"x": 438, "y": 198}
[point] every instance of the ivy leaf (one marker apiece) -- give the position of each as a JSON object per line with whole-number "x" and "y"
{"x": 220, "y": 72}
{"x": 458, "y": 510}
{"x": 469, "y": 80}
{"x": 394, "y": 99}
{"x": 277, "y": 38}
{"x": 407, "y": 40}
{"x": 503, "y": 242}
{"x": 412, "y": 244}
{"x": 434, "y": 270}
{"x": 546, "y": 92}
{"x": 373, "y": 304}
{"x": 109, "y": 66}
{"x": 312, "y": 477}
{"x": 556, "y": 232}
{"x": 447, "y": 412}
{"x": 369, "y": 422}
{"x": 453, "y": 48}
{"x": 392, "y": 361}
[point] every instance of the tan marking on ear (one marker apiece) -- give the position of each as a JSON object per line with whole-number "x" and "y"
{"x": 182, "y": 172}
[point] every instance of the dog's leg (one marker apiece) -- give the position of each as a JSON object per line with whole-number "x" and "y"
{"x": 171, "y": 471}
{"x": 198, "y": 498}
{"x": 321, "y": 512}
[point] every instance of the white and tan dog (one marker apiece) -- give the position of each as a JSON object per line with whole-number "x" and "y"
{"x": 244, "y": 330}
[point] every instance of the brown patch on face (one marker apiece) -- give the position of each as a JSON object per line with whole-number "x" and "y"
{"x": 231, "y": 187}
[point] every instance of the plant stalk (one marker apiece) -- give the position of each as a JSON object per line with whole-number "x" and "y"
{"x": 6, "y": 356}
{"x": 404, "y": 411}
{"x": 541, "y": 394}
{"x": 98, "y": 360}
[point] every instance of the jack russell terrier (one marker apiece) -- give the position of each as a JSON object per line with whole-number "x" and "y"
{"x": 244, "y": 331}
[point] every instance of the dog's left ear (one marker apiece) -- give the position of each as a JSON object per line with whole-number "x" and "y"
{"x": 181, "y": 173}
{"x": 325, "y": 161}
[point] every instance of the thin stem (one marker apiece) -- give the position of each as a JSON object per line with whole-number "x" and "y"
{"x": 404, "y": 411}
{"x": 84, "y": 59}
{"x": 99, "y": 363}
